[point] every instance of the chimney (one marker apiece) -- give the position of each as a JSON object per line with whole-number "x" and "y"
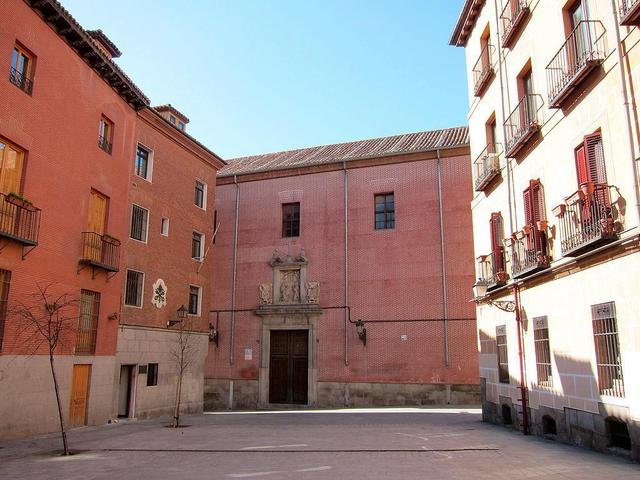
{"x": 105, "y": 45}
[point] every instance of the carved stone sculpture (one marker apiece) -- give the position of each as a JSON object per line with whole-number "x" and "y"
{"x": 266, "y": 294}
{"x": 290, "y": 286}
{"x": 313, "y": 292}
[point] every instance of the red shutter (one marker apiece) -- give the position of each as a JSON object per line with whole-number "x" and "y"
{"x": 595, "y": 158}
{"x": 582, "y": 167}
{"x": 497, "y": 235}
{"x": 526, "y": 200}
{"x": 533, "y": 198}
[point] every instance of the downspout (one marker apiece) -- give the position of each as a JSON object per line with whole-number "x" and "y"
{"x": 235, "y": 273}
{"x": 346, "y": 264}
{"x": 444, "y": 275}
{"x": 627, "y": 105}
{"x": 504, "y": 116}
{"x": 523, "y": 384}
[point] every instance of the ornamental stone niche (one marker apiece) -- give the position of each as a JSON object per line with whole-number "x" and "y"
{"x": 289, "y": 309}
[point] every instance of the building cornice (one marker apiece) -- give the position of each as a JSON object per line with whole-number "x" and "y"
{"x": 466, "y": 21}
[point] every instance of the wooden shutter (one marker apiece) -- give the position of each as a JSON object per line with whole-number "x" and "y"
{"x": 533, "y": 199}
{"x": 497, "y": 235}
{"x": 582, "y": 167}
{"x": 595, "y": 158}
{"x": 12, "y": 160}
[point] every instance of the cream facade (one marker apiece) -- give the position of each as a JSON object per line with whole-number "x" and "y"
{"x": 553, "y": 130}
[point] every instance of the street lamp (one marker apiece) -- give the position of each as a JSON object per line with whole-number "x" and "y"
{"x": 182, "y": 314}
{"x": 480, "y": 295}
{"x": 213, "y": 334}
{"x": 361, "y": 331}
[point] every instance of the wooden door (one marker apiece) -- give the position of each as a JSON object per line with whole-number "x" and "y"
{"x": 11, "y": 164}
{"x": 96, "y": 225}
{"x": 289, "y": 366}
{"x": 79, "y": 395}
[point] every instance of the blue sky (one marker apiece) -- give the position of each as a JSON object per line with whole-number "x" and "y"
{"x": 261, "y": 76}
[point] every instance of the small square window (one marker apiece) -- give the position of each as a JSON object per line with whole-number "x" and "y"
{"x": 200, "y": 199}
{"x": 21, "y": 73}
{"x": 385, "y": 214}
{"x": 172, "y": 119}
{"x": 144, "y": 162}
{"x": 134, "y": 288}
{"x": 291, "y": 219}
{"x": 164, "y": 227}
{"x": 197, "y": 245}
{"x": 105, "y": 134}
{"x": 139, "y": 223}
{"x": 194, "y": 300}
{"x": 152, "y": 375}
{"x": 180, "y": 125}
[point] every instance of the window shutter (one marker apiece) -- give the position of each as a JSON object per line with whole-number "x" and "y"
{"x": 526, "y": 200}
{"x": 537, "y": 199}
{"x": 595, "y": 158}
{"x": 497, "y": 235}
{"x": 582, "y": 167}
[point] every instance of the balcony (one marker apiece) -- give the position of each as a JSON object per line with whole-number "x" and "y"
{"x": 21, "y": 81}
{"x": 491, "y": 269}
{"x": 582, "y": 52}
{"x": 523, "y": 123}
{"x": 529, "y": 251}
{"x": 483, "y": 71}
{"x": 513, "y": 16}
{"x": 100, "y": 251}
{"x": 19, "y": 220}
{"x": 486, "y": 167}
{"x": 586, "y": 220}
{"x": 104, "y": 144}
{"x": 629, "y": 12}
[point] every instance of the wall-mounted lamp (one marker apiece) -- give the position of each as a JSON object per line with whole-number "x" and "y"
{"x": 182, "y": 314}
{"x": 480, "y": 295}
{"x": 213, "y": 334}
{"x": 113, "y": 316}
{"x": 361, "y": 331}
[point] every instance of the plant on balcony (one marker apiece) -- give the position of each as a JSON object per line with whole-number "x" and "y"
{"x": 587, "y": 188}
{"x": 541, "y": 258}
{"x": 520, "y": 234}
{"x": 19, "y": 201}
{"x": 542, "y": 225}
{"x": 501, "y": 276}
{"x": 526, "y": 228}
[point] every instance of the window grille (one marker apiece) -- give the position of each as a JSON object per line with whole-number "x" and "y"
{"x": 134, "y": 288}
{"x": 607, "y": 345}
{"x": 152, "y": 375}
{"x": 5, "y": 282}
{"x": 543, "y": 351}
{"x": 139, "y": 218}
{"x": 503, "y": 357}
{"x": 87, "y": 322}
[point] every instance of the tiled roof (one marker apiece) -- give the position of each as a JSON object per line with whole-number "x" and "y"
{"x": 170, "y": 108}
{"x": 54, "y": 14}
{"x": 100, "y": 36}
{"x": 327, "y": 154}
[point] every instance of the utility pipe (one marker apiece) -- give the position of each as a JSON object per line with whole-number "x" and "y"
{"x": 235, "y": 274}
{"x": 442, "y": 265}
{"x": 627, "y": 105}
{"x": 523, "y": 384}
{"x": 346, "y": 263}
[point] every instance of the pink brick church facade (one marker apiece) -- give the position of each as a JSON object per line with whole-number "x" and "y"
{"x": 284, "y": 336}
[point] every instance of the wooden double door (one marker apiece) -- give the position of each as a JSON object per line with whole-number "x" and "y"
{"x": 289, "y": 366}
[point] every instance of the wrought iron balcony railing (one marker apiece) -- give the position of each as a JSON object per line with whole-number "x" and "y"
{"x": 528, "y": 251}
{"x": 491, "y": 269}
{"x": 104, "y": 144}
{"x": 487, "y": 166}
{"x": 483, "y": 70}
{"x": 582, "y": 52}
{"x": 629, "y": 12}
{"x": 512, "y": 17}
{"x": 586, "y": 220}
{"x": 100, "y": 251}
{"x": 19, "y": 220}
{"x": 20, "y": 80}
{"x": 523, "y": 123}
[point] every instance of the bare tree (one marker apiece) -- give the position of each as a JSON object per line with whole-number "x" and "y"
{"x": 47, "y": 319}
{"x": 183, "y": 353}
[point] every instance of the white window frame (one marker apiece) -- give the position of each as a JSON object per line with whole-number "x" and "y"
{"x": 162, "y": 221}
{"x": 149, "y": 176}
{"x": 202, "y": 244}
{"x": 142, "y": 288}
{"x": 199, "y": 300}
{"x": 146, "y": 227}
{"x": 204, "y": 194}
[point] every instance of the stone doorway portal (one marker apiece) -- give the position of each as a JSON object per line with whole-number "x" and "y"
{"x": 289, "y": 366}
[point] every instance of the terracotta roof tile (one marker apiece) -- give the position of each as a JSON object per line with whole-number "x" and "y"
{"x": 326, "y": 154}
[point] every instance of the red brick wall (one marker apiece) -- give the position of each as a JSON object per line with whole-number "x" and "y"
{"x": 58, "y": 127}
{"x": 393, "y": 274}
{"x": 170, "y": 193}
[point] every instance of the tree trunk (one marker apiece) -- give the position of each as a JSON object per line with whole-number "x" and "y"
{"x": 55, "y": 386}
{"x": 176, "y": 410}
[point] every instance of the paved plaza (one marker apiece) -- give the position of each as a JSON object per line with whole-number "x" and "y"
{"x": 341, "y": 444}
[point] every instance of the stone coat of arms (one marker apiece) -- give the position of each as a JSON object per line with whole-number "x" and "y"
{"x": 159, "y": 297}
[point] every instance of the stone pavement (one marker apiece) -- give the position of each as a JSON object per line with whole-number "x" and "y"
{"x": 408, "y": 443}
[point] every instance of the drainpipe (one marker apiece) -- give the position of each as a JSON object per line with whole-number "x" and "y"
{"x": 504, "y": 116}
{"x": 235, "y": 274}
{"x": 627, "y": 106}
{"x": 523, "y": 384}
{"x": 346, "y": 264}
{"x": 444, "y": 275}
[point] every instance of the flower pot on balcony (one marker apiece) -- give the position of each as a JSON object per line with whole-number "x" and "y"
{"x": 526, "y": 229}
{"x": 501, "y": 276}
{"x": 542, "y": 225}
{"x": 606, "y": 226}
{"x": 520, "y": 234}
{"x": 559, "y": 210}
{"x": 542, "y": 259}
{"x": 587, "y": 188}
{"x": 19, "y": 201}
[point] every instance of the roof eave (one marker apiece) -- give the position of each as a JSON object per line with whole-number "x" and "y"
{"x": 466, "y": 22}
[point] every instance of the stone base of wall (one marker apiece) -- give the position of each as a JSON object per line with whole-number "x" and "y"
{"x": 576, "y": 427}
{"x": 217, "y": 394}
